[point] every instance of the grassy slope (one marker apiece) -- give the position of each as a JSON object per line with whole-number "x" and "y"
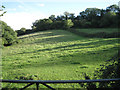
{"x": 94, "y": 30}
{"x": 56, "y": 55}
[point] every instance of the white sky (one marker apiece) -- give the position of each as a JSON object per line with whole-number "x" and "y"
{"x": 25, "y": 19}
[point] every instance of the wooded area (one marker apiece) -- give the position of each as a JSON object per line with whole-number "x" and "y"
{"x": 90, "y": 18}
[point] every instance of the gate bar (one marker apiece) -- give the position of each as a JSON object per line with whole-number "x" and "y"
{"x": 59, "y": 81}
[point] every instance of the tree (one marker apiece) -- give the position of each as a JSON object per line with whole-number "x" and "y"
{"x": 113, "y": 8}
{"x": 92, "y": 17}
{"x": 77, "y": 24}
{"x": 42, "y": 24}
{"x": 108, "y": 20}
{"x": 60, "y": 18}
{"x": 9, "y": 36}
{"x": 58, "y": 25}
{"x": 68, "y": 24}
{"x": 71, "y": 16}
{"x": 66, "y": 15}
{"x": 52, "y": 17}
{"x": 22, "y": 31}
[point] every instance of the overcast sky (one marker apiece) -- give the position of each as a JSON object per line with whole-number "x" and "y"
{"x": 22, "y": 13}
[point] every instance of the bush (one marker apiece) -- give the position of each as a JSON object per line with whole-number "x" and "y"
{"x": 110, "y": 69}
{"x": 9, "y": 36}
{"x": 42, "y": 24}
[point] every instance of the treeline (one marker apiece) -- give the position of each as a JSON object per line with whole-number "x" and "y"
{"x": 90, "y": 18}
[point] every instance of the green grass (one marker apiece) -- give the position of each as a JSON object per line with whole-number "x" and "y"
{"x": 94, "y": 30}
{"x": 55, "y": 55}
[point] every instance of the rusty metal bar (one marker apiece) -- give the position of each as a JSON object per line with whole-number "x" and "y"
{"x": 59, "y": 81}
{"x": 55, "y": 81}
{"x": 27, "y": 86}
{"x": 48, "y": 86}
{"x": 37, "y": 86}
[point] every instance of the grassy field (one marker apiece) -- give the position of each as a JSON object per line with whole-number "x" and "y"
{"x": 55, "y": 55}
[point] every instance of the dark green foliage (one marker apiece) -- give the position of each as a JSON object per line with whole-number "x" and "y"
{"x": 71, "y": 16}
{"x": 57, "y": 25}
{"x": 52, "y": 17}
{"x": 89, "y": 86}
{"x": 67, "y": 24}
{"x": 27, "y": 77}
{"x": 110, "y": 69}
{"x": 98, "y": 18}
{"x": 22, "y": 31}
{"x": 27, "y": 31}
{"x": 109, "y": 20}
{"x": 9, "y": 36}
{"x": 47, "y": 24}
{"x": 42, "y": 24}
{"x": 77, "y": 24}
{"x": 113, "y": 8}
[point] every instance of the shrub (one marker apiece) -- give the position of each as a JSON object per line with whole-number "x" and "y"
{"x": 9, "y": 36}
{"x": 110, "y": 69}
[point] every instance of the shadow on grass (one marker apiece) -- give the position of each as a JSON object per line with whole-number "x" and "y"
{"x": 67, "y": 60}
{"x": 83, "y": 67}
{"x": 97, "y": 34}
{"x": 80, "y": 46}
{"x": 44, "y": 34}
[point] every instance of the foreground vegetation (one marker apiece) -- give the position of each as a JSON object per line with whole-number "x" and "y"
{"x": 55, "y": 55}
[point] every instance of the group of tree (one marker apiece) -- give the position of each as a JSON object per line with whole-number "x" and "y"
{"x": 90, "y": 18}
{"x": 45, "y": 24}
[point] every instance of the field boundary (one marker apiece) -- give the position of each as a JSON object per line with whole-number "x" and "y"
{"x": 97, "y": 34}
{"x": 45, "y": 82}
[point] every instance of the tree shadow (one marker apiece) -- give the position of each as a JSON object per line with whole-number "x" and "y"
{"x": 40, "y": 34}
{"x": 66, "y": 60}
{"x": 88, "y": 44}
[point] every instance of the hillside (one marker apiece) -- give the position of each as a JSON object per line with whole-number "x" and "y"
{"x": 55, "y": 55}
